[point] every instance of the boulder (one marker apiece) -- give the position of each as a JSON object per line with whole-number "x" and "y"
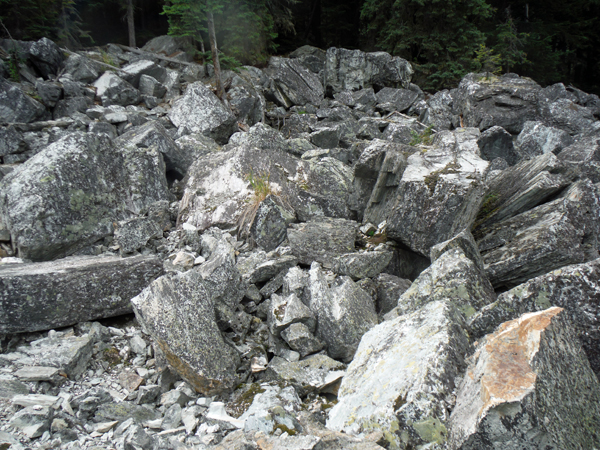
{"x": 566, "y": 115}
{"x": 427, "y": 198}
{"x": 402, "y": 377}
{"x": 113, "y": 90}
{"x": 507, "y": 101}
{"x": 70, "y": 194}
{"x": 300, "y": 339}
{"x": 537, "y": 139}
{"x": 151, "y": 86}
{"x": 351, "y": 70}
{"x": 260, "y": 266}
{"x": 200, "y": 111}
{"x": 438, "y": 111}
{"x": 247, "y": 103}
{"x": 167, "y": 45}
{"x": 322, "y": 239}
{"x": 343, "y": 310}
{"x": 389, "y": 289}
{"x": 271, "y": 220}
{"x": 16, "y": 106}
{"x": 288, "y": 310}
{"x": 312, "y": 58}
{"x": 363, "y": 264}
{"x": 46, "y": 57}
{"x": 575, "y": 288}
{"x": 399, "y": 99}
{"x": 496, "y": 142}
{"x": 296, "y": 85}
{"x": 82, "y": 69}
{"x": 133, "y": 234}
{"x": 557, "y": 233}
{"x": 134, "y": 71}
{"x": 49, "y": 91}
{"x": 41, "y": 296}
{"x": 178, "y": 312}
{"x": 528, "y": 386}
{"x": 584, "y": 156}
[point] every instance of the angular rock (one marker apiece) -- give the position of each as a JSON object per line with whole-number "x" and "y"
{"x": 400, "y": 99}
{"x": 134, "y": 71}
{"x": 272, "y": 406}
{"x": 322, "y": 239}
{"x": 269, "y": 226}
{"x": 528, "y": 386}
{"x": 49, "y": 91}
{"x": 537, "y": 139}
{"x": 41, "y": 296}
{"x": 389, "y": 289}
{"x": 300, "y": 339}
{"x": 344, "y": 312}
{"x": 151, "y": 86}
{"x": 496, "y": 142}
{"x": 362, "y": 265}
{"x": 11, "y": 141}
{"x": 108, "y": 412}
{"x": 178, "y": 312}
{"x": 351, "y": 70}
{"x": 82, "y": 69}
{"x": 575, "y": 288}
{"x": 70, "y": 194}
{"x": 32, "y": 421}
{"x": 438, "y": 110}
{"x": 133, "y": 234}
{"x": 402, "y": 378}
{"x": 429, "y": 197}
{"x": 552, "y": 235}
{"x": 46, "y": 57}
{"x": 566, "y": 115}
{"x": 297, "y": 85}
{"x": 16, "y": 106}
{"x": 285, "y": 311}
{"x": 317, "y": 373}
{"x": 312, "y": 58}
{"x": 11, "y": 388}
{"x": 200, "y": 111}
{"x": 507, "y": 101}
{"x": 261, "y": 266}
{"x": 584, "y": 157}
{"x": 113, "y": 90}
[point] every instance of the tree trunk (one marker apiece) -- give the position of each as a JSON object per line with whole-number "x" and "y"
{"x": 130, "y": 23}
{"x": 215, "y": 51}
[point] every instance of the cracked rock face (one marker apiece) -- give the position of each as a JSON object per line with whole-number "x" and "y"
{"x": 516, "y": 392}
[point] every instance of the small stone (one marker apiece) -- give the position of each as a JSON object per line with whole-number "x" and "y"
{"x": 137, "y": 344}
{"x": 130, "y": 381}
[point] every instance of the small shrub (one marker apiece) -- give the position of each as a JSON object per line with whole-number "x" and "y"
{"x": 424, "y": 138}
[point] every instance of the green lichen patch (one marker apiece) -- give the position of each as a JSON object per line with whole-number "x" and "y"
{"x": 243, "y": 400}
{"x": 432, "y": 179}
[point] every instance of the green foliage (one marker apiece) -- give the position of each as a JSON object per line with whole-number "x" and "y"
{"x": 425, "y": 138}
{"x": 14, "y": 60}
{"x": 260, "y": 184}
{"x": 510, "y": 45}
{"x": 487, "y": 61}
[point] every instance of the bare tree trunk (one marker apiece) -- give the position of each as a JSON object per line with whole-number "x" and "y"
{"x": 130, "y": 23}
{"x": 202, "y": 49}
{"x": 215, "y": 51}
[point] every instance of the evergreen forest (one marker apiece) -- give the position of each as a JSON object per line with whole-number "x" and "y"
{"x": 547, "y": 40}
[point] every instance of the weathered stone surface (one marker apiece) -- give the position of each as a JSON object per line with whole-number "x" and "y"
{"x": 466, "y": 242}
{"x": 402, "y": 377}
{"x": 200, "y": 111}
{"x": 496, "y": 142}
{"x": 49, "y": 91}
{"x": 363, "y": 264}
{"x": 536, "y": 139}
{"x": 507, "y": 101}
{"x": 438, "y": 110}
{"x": 166, "y": 45}
{"x": 566, "y": 115}
{"x": 575, "y": 288}
{"x": 260, "y": 266}
{"x": 322, "y": 239}
{"x": 528, "y": 386}
{"x": 285, "y": 311}
{"x": 133, "y": 234}
{"x": 584, "y": 156}
{"x": 269, "y": 226}
{"x": 272, "y": 406}
{"x": 429, "y": 197}
{"x": 178, "y": 312}
{"x": 113, "y": 90}
{"x": 300, "y": 339}
{"x": 247, "y": 102}
{"x": 41, "y": 296}
{"x": 46, "y": 57}
{"x": 12, "y": 388}
{"x": 561, "y": 232}
{"x": 389, "y": 289}
{"x": 317, "y": 373}
{"x": 11, "y": 141}
{"x": 400, "y": 99}
{"x": 68, "y": 196}
{"x": 135, "y": 70}
{"x": 82, "y": 69}
{"x": 16, "y": 106}
{"x": 297, "y": 85}
{"x": 520, "y": 188}
{"x": 351, "y": 70}
{"x": 343, "y": 310}
{"x": 452, "y": 277}
{"x": 312, "y": 58}
{"x": 151, "y": 86}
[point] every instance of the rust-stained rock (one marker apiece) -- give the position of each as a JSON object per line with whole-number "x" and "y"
{"x": 528, "y": 386}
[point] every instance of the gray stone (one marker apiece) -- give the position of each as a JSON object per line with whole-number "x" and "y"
{"x": 11, "y": 388}
{"x": 178, "y": 312}
{"x": 148, "y": 394}
{"x": 151, "y": 86}
{"x": 39, "y": 373}
{"x": 561, "y": 232}
{"x": 363, "y": 264}
{"x": 32, "y": 421}
{"x": 400, "y": 99}
{"x": 11, "y": 141}
{"x": 49, "y": 91}
{"x": 299, "y": 338}
{"x": 402, "y": 378}
{"x": 16, "y": 106}
{"x": 269, "y": 225}
{"x": 575, "y": 288}
{"x": 103, "y": 127}
{"x": 312, "y": 58}
{"x": 326, "y": 138}
{"x": 247, "y": 102}
{"x": 507, "y": 101}
{"x": 343, "y": 310}
{"x": 496, "y": 142}
{"x": 67, "y": 107}
{"x": 134, "y": 71}
{"x": 82, "y": 69}
{"x": 322, "y": 239}
{"x": 566, "y": 115}
{"x": 172, "y": 417}
{"x": 71, "y": 193}
{"x": 41, "y": 296}
{"x": 351, "y": 70}
{"x": 47, "y": 401}
{"x": 261, "y": 266}
{"x": 403, "y": 130}
{"x": 108, "y": 412}
{"x": 133, "y": 234}
{"x": 584, "y": 157}
{"x": 197, "y": 145}
{"x": 46, "y": 57}
{"x": 167, "y": 45}
{"x": 297, "y": 85}
{"x": 113, "y": 90}
{"x": 528, "y": 386}
{"x": 536, "y": 139}
{"x": 272, "y": 406}
{"x": 389, "y": 289}
{"x": 317, "y": 373}
{"x": 200, "y": 111}
{"x": 466, "y": 242}
{"x": 284, "y": 311}
{"x": 438, "y": 110}
{"x": 174, "y": 396}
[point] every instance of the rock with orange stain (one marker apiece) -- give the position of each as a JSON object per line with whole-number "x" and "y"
{"x": 528, "y": 386}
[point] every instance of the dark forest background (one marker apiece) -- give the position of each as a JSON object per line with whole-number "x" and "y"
{"x": 548, "y": 40}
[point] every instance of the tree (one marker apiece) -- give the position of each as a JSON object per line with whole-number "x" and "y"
{"x": 439, "y": 37}
{"x": 130, "y": 23}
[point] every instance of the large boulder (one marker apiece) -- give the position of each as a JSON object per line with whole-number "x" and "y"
{"x": 70, "y": 194}
{"x": 429, "y": 197}
{"x": 343, "y": 310}
{"x": 113, "y": 90}
{"x": 200, "y": 111}
{"x": 351, "y": 70}
{"x": 537, "y": 139}
{"x": 46, "y": 57}
{"x": 575, "y": 288}
{"x": 16, "y": 106}
{"x": 402, "y": 377}
{"x": 507, "y": 101}
{"x": 178, "y": 312}
{"x": 42, "y": 296}
{"x": 584, "y": 156}
{"x": 528, "y": 386}
{"x": 134, "y": 71}
{"x": 296, "y": 85}
{"x": 80, "y": 68}
{"x": 563, "y": 231}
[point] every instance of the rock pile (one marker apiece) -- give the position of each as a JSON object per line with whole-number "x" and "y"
{"x": 327, "y": 258}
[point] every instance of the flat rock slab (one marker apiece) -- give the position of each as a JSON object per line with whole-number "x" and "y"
{"x": 528, "y": 386}
{"x": 401, "y": 377}
{"x": 42, "y": 296}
